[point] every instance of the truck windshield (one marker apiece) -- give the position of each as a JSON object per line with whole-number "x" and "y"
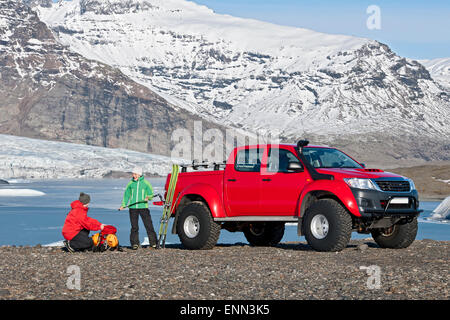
{"x": 329, "y": 158}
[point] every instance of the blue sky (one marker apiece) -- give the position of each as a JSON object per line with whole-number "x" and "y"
{"x": 414, "y": 29}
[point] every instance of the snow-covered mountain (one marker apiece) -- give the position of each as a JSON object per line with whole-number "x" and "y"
{"x": 439, "y": 70}
{"x": 48, "y": 91}
{"x": 260, "y": 76}
{"x": 39, "y": 159}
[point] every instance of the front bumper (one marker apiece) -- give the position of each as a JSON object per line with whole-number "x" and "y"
{"x": 377, "y": 204}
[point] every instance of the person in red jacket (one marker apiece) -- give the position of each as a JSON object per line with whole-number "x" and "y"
{"x": 77, "y": 225}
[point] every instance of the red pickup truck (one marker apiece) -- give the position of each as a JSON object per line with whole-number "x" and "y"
{"x": 325, "y": 191}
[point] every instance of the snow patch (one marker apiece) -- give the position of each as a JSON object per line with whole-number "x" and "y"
{"x": 35, "y": 41}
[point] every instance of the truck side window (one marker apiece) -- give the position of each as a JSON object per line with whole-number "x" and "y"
{"x": 248, "y": 160}
{"x": 279, "y": 160}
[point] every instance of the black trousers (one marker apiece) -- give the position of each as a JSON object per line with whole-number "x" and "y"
{"x": 147, "y": 220}
{"x": 82, "y": 241}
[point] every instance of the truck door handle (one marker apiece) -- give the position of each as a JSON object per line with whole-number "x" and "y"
{"x": 232, "y": 180}
{"x": 266, "y": 179}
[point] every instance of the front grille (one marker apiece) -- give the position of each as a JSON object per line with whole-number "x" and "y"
{"x": 393, "y": 186}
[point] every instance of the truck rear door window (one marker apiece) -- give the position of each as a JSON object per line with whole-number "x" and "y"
{"x": 248, "y": 160}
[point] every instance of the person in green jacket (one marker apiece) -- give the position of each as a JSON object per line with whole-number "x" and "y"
{"x": 137, "y": 194}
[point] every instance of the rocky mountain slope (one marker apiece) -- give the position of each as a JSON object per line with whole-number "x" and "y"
{"x": 49, "y": 92}
{"x": 266, "y": 78}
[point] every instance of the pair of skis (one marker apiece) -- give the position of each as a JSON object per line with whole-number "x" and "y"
{"x": 168, "y": 204}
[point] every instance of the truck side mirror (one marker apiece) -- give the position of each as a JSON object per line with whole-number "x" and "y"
{"x": 295, "y": 167}
{"x": 363, "y": 164}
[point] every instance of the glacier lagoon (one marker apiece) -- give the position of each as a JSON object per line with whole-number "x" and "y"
{"x": 31, "y": 220}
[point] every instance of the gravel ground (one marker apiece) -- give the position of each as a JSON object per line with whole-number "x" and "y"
{"x": 238, "y": 272}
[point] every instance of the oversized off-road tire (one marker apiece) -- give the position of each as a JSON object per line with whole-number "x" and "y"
{"x": 262, "y": 234}
{"x": 327, "y": 226}
{"x": 196, "y": 227}
{"x": 396, "y": 237}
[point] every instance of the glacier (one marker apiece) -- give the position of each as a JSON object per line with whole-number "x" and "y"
{"x": 26, "y": 158}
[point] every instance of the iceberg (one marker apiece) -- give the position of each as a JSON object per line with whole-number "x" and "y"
{"x": 13, "y": 181}
{"x": 20, "y": 193}
{"x": 442, "y": 211}
{"x": 55, "y": 244}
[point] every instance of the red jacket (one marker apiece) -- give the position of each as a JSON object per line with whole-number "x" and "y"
{"x": 78, "y": 220}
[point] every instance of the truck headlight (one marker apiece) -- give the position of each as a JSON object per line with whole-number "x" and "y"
{"x": 360, "y": 183}
{"x": 411, "y": 183}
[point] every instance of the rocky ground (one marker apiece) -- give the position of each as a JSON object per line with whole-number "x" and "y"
{"x": 290, "y": 271}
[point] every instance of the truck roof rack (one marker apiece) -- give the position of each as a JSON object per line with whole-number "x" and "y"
{"x": 196, "y": 165}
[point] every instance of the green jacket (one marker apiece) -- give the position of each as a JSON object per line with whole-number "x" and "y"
{"x": 137, "y": 191}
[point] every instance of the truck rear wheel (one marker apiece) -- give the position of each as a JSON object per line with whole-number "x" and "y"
{"x": 327, "y": 226}
{"x": 196, "y": 227}
{"x": 264, "y": 233}
{"x": 396, "y": 237}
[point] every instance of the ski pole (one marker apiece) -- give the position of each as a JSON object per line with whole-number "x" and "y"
{"x": 132, "y": 204}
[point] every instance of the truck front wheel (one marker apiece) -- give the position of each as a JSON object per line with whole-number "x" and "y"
{"x": 327, "y": 226}
{"x": 196, "y": 227}
{"x": 396, "y": 237}
{"x": 264, "y": 233}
